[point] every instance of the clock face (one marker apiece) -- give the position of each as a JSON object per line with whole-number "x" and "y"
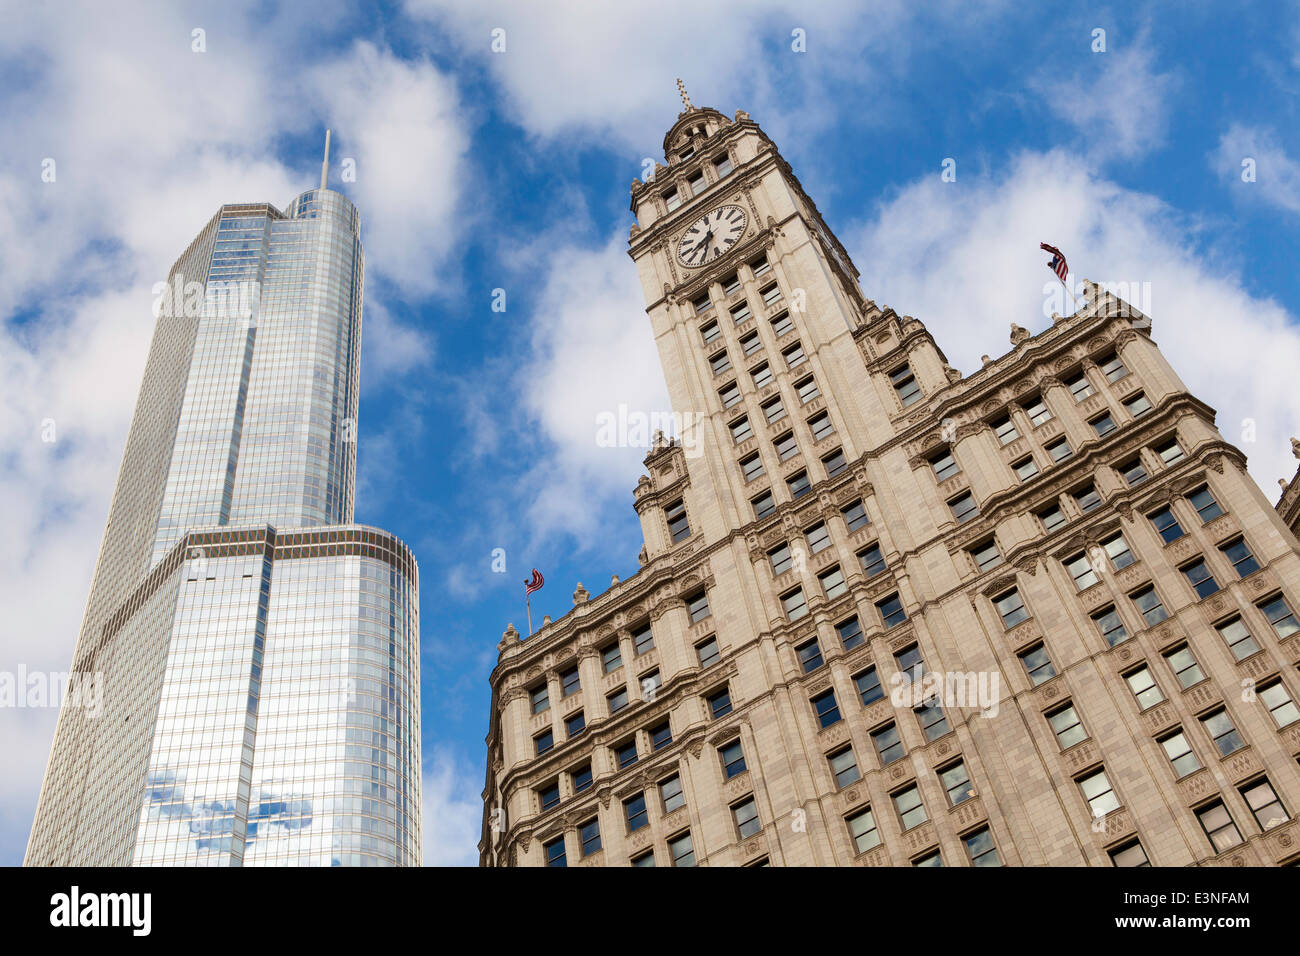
{"x": 711, "y": 235}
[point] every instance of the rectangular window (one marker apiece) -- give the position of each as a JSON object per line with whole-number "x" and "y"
{"x": 697, "y": 605}
{"x": 1067, "y": 726}
{"x": 680, "y": 850}
{"x": 1051, "y": 517}
{"x": 732, "y": 756}
{"x": 1038, "y": 412}
{"x": 818, "y": 538}
{"x": 575, "y": 725}
{"x": 722, "y": 166}
{"x": 1113, "y": 368}
{"x": 794, "y": 605}
{"x": 980, "y": 848}
{"x": 905, "y": 386}
{"x": 911, "y": 811}
{"x": 810, "y": 656}
{"x": 661, "y": 736}
{"x": 862, "y": 828}
{"x": 1166, "y": 525}
{"x": 807, "y": 389}
{"x": 731, "y": 285}
{"x": 611, "y": 658}
{"x": 1098, "y": 792}
{"x": 849, "y": 633}
{"x": 1037, "y": 664}
{"x": 635, "y": 810}
{"x": 1087, "y": 498}
{"x": 964, "y": 507}
{"x": 1133, "y": 473}
{"x": 764, "y": 504}
{"x": 1138, "y": 405}
{"x": 782, "y": 325}
{"x": 1279, "y": 615}
{"x": 826, "y": 709}
{"x": 582, "y": 778}
{"x": 1112, "y": 628}
{"x": 540, "y": 696}
{"x": 589, "y": 834}
{"x": 1148, "y": 604}
{"x": 1238, "y": 553}
{"x": 544, "y": 742}
{"x": 760, "y": 266}
{"x": 670, "y": 791}
{"x": 774, "y": 410}
{"x": 868, "y": 686}
{"x": 672, "y": 200}
{"x": 834, "y": 463}
{"x": 821, "y": 426}
{"x": 855, "y": 516}
{"x": 986, "y": 555}
{"x": 1180, "y": 753}
{"x": 933, "y": 858}
{"x": 625, "y": 754}
{"x": 708, "y": 652}
{"x": 794, "y": 356}
{"x": 1264, "y": 804}
{"x": 1238, "y": 638}
{"x": 740, "y": 313}
{"x": 549, "y": 795}
{"x": 1279, "y": 703}
{"x": 762, "y": 375}
{"x": 1011, "y": 608}
{"x": 709, "y": 332}
{"x": 891, "y": 611}
{"x": 944, "y": 465}
{"x": 832, "y": 582}
{"x": 702, "y": 304}
{"x": 554, "y": 852}
{"x": 1222, "y": 731}
{"x": 781, "y": 559}
{"x": 745, "y": 814}
{"x": 1130, "y": 854}
{"x": 1117, "y": 550}
{"x": 1185, "y": 668}
{"x": 933, "y": 723}
{"x": 750, "y": 343}
{"x": 569, "y": 683}
{"x": 956, "y": 783}
{"x": 730, "y": 395}
{"x": 1080, "y": 568}
{"x": 1025, "y": 469}
{"x": 786, "y": 447}
{"x": 678, "y": 526}
{"x": 720, "y": 703}
{"x": 1005, "y": 429}
{"x": 799, "y": 485}
{"x": 844, "y": 767}
{"x": 720, "y": 362}
{"x": 888, "y": 743}
{"x": 1199, "y": 577}
{"x": 873, "y": 562}
{"x": 1103, "y": 424}
{"x": 650, "y": 682}
{"x": 1218, "y": 825}
{"x": 1079, "y": 387}
{"x": 1205, "y": 505}
{"x": 751, "y": 466}
{"x": 617, "y": 700}
{"x": 1170, "y": 452}
{"x": 740, "y": 430}
{"x": 643, "y": 640}
{"x": 696, "y": 183}
{"x": 771, "y": 294}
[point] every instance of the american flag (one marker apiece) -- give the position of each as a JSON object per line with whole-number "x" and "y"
{"x": 535, "y": 584}
{"x": 1057, "y": 264}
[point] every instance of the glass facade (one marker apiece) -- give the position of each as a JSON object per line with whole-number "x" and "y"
{"x": 259, "y": 653}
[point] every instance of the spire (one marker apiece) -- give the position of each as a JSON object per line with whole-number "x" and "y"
{"x": 681, "y": 89}
{"x": 325, "y": 164}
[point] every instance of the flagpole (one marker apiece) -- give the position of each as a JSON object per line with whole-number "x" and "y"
{"x": 1073, "y": 300}
{"x": 528, "y": 604}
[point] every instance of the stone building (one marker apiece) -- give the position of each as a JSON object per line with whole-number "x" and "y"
{"x": 1092, "y": 599}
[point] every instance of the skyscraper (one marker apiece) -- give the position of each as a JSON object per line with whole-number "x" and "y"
{"x": 891, "y": 614}
{"x": 255, "y": 654}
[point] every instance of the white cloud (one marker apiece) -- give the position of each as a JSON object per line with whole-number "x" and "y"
{"x": 452, "y": 810}
{"x": 964, "y": 259}
{"x": 1277, "y": 175}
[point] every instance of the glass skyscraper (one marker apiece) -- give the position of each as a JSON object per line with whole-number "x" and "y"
{"x": 255, "y": 653}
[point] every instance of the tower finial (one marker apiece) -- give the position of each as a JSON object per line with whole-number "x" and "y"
{"x": 325, "y": 164}
{"x": 681, "y": 89}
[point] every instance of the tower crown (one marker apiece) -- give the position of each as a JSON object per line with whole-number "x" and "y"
{"x": 694, "y": 125}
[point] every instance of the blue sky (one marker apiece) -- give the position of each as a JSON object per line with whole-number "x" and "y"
{"x": 479, "y": 170}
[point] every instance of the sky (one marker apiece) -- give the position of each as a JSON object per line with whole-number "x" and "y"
{"x": 493, "y": 146}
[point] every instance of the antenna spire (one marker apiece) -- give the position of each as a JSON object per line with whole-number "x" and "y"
{"x": 325, "y": 165}
{"x": 681, "y": 89}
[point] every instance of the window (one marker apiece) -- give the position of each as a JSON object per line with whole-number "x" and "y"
{"x": 625, "y": 754}
{"x": 750, "y": 343}
{"x": 933, "y": 723}
{"x": 575, "y": 725}
{"x": 733, "y": 759}
{"x": 708, "y": 652}
{"x": 1205, "y": 505}
{"x": 826, "y": 709}
{"x": 1218, "y": 825}
{"x": 911, "y": 811}
{"x": 1103, "y": 425}
{"x": 611, "y": 658}
{"x": 1037, "y": 664}
{"x": 821, "y": 426}
{"x": 1130, "y": 854}
{"x": 774, "y": 410}
{"x": 635, "y": 810}
{"x": 554, "y": 852}
{"x": 1166, "y": 525}
{"x": 661, "y": 736}
{"x": 722, "y": 166}
{"x": 1011, "y": 608}
{"x": 909, "y": 662}
{"x": 786, "y": 447}
{"x": 794, "y": 355}
{"x": 696, "y": 183}
{"x": 760, "y": 266}
{"x": 818, "y": 538}
{"x": 782, "y": 325}
{"x": 678, "y": 527}
{"x": 980, "y": 848}
{"x": 544, "y": 742}
{"x": 1170, "y": 452}
{"x": 1222, "y": 731}
{"x": 650, "y": 682}
{"x": 1051, "y": 517}
{"x": 1238, "y": 638}
{"x": 541, "y": 698}
{"x": 1238, "y": 552}
{"x": 751, "y": 466}
{"x": 720, "y": 362}
{"x": 1037, "y": 410}
{"x": 834, "y": 463}
{"x": 1025, "y": 469}
{"x": 1113, "y": 368}
{"x": 933, "y": 858}
{"x": 764, "y": 504}
{"x": 807, "y": 389}
{"x": 697, "y": 605}
{"x": 672, "y": 200}
{"x": 780, "y": 559}
{"x": 745, "y": 814}
{"x": 1067, "y": 726}
{"x": 888, "y": 743}
{"x": 799, "y": 485}
{"x": 643, "y": 640}
{"x": 1199, "y": 577}
{"x": 1118, "y": 551}
{"x": 1079, "y": 387}
{"x": 964, "y": 507}
{"x": 1097, "y": 791}
{"x": 1139, "y": 404}
{"x": 1279, "y": 703}
{"x": 589, "y": 835}
{"x": 670, "y": 791}
{"x": 986, "y": 555}
{"x": 762, "y": 375}
{"x": 549, "y": 795}
{"x": 681, "y": 851}
{"x": 849, "y": 633}
{"x": 1112, "y": 628}
{"x": 720, "y": 703}
{"x": 1087, "y": 498}
{"x": 1080, "y": 568}
{"x": 794, "y": 604}
{"x": 1132, "y": 472}
{"x": 873, "y": 562}
{"x": 956, "y": 783}
{"x": 771, "y": 295}
{"x": 740, "y": 430}
{"x": 1148, "y": 603}
{"x": 710, "y": 332}
{"x": 810, "y": 656}
{"x": 569, "y": 683}
{"x": 905, "y": 386}
{"x": 702, "y": 304}
{"x": 1185, "y": 668}
{"x": 731, "y": 285}
{"x": 1059, "y": 450}
{"x": 1280, "y": 616}
{"x": 617, "y": 700}
{"x": 740, "y": 313}
{"x": 730, "y": 395}
{"x": 844, "y": 767}
{"x": 868, "y": 686}
{"x": 1264, "y": 804}
{"x": 582, "y": 778}
{"x": 862, "y": 828}
{"x": 891, "y": 611}
{"x": 1005, "y": 429}
{"x": 1180, "y": 753}
{"x": 944, "y": 465}
{"x": 1144, "y": 687}
{"x": 855, "y": 516}
{"x": 832, "y": 583}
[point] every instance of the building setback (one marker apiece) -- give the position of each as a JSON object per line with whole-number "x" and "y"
{"x": 1061, "y": 540}
{"x": 255, "y": 654}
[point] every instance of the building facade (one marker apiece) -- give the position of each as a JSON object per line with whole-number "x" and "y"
{"x": 254, "y": 655}
{"x": 890, "y": 614}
